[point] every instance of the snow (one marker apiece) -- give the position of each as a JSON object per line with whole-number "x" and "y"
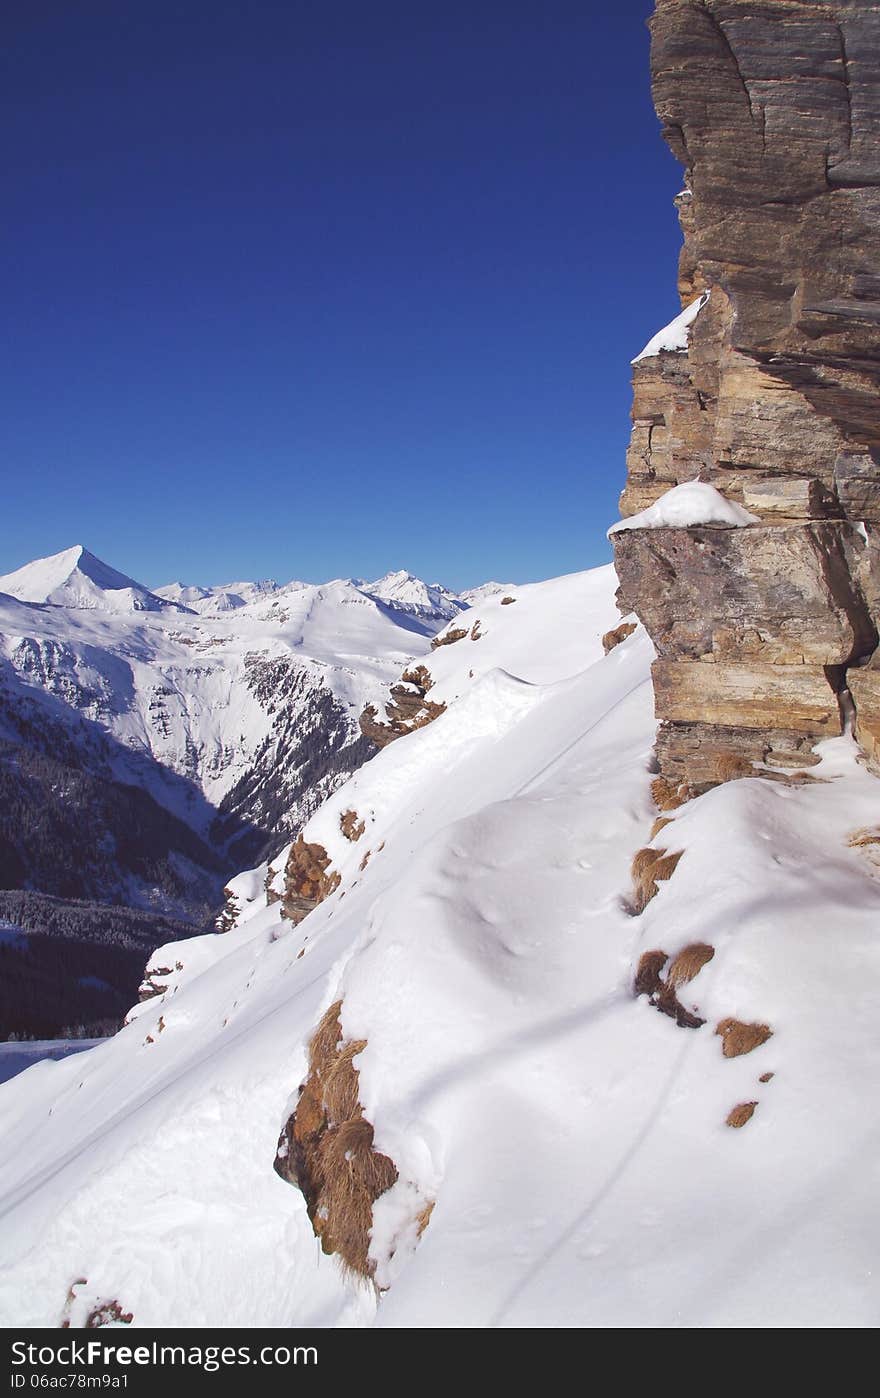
{"x": 674, "y": 336}
{"x": 12, "y": 936}
{"x": 542, "y": 636}
{"x": 571, "y": 1138}
{"x": 248, "y": 886}
{"x": 178, "y": 684}
{"x": 76, "y": 578}
{"x": 474, "y": 596}
{"x": 409, "y": 593}
{"x": 15, "y": 1056}
{"x": 691, "y": 503}
{"x": 214, "y": 601}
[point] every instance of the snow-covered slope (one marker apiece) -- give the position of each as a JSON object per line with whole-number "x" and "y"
{"x": 540, "y": 631}
{"x": 76, "y": 578}
{"x": 571, "y": 1138}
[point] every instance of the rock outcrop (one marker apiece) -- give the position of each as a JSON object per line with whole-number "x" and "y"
{"x": 774, "y": 111}
{"x": 308, "y": 880}
{"x": 408, "y": 707}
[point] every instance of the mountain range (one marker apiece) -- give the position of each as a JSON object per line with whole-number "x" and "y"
{"x": 152, "y": 742}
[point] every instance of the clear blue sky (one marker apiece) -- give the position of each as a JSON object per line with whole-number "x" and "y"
{"x": 301, "y": 289}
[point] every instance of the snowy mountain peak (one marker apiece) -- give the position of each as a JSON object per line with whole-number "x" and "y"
{"x": 76, "y": 578}
{"x": 407, "y": 593}
{"x": 226, "y": 597}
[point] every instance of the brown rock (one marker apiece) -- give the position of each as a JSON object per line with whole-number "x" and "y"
{"x": 864, "y": 686}
{"x": 774, "y": 112}
{"x": 797, "y": 698}
{"x": 785, "y": 595}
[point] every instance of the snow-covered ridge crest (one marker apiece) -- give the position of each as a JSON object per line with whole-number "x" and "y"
{"x": 76, "y": 578}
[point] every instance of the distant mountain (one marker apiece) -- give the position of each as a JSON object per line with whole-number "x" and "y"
{"x": 211, "y": 721}
{"x": 408, "y": 593}
{"x": 213, "y": 601}
{"x": 475, "y": 596}
{"x": 401, "y": 590}
{"x": 76, "y": 578}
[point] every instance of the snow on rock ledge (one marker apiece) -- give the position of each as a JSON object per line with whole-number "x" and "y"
{"x": 692, "y": 502}
{"x": 674, "y": 336}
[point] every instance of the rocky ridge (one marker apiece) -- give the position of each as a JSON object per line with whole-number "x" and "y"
{"x": 764, "y": 634}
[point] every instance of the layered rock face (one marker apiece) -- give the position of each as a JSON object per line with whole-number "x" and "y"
{"x": 774, "y": 111}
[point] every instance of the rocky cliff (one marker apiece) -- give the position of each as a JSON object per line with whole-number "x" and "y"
{"x": 764, "y": 632}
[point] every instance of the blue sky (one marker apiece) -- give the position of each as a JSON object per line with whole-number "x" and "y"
{"x": 307, "y": 290}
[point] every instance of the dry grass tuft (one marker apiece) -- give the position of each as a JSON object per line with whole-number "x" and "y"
{"x": 107, "y": 1313}
{"x": 326, "y": 1148}
{"x": 322, "y": 1045}
{"x": 688, "y": 963}
{"x": 308, "y": 879}
{"x": 642, "y": 861}
{"x": 738, "y": 1038}
{"x": 351, "y": 827}
{"x": 765, "y": 1077}
{"x": 659, "y": 824}
{"x": 339, "y": 1084}
{"x": 650, "y": 867}
{"x": 738, "y": 1116}
{"x": 731, "y": 766}
{"x": 423, "y": 1217}
{"x": 666, "y": 866}
{"x": 868, "y": 835}
{"x": 420, "y": 676}
{"x": 648, "y": 979}
{"x": 617, "y": 634}
{"x": 457, "y": 633}
{"x": 668, "y": 797}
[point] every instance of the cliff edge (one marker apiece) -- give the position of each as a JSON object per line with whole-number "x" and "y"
{"x": 766, "y": 388}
